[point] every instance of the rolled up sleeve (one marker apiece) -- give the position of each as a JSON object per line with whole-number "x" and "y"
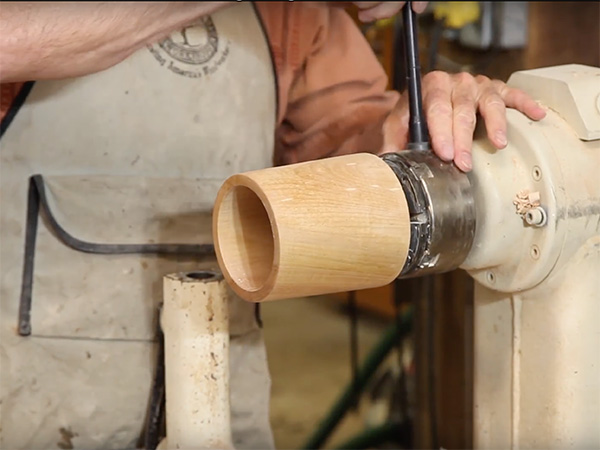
{"x": 332, "y": 89}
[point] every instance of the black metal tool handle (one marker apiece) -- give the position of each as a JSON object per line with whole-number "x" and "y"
{"x": 418, "y": 132}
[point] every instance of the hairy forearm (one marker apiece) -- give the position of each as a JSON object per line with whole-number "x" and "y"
{"x": 51, "y": 40}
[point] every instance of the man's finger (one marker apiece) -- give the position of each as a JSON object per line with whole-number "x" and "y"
{"x": 437, "y": 105}
{"x": 367, "y": 5}
{"x": 419, "y": 7}
{"x": 493, "y": 111}
{"x": 464, "y": 119}
{"x": 517, "y": 99}
{"x": 395, "y": 128}
{"x": 383, "y": 10}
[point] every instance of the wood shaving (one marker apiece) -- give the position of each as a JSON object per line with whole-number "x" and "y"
{"x": 525, "y": 201}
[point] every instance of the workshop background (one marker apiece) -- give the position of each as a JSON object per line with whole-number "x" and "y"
{"x": 317, "y": 347}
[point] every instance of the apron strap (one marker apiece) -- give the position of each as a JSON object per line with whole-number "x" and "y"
{"x": 36, "y": 202}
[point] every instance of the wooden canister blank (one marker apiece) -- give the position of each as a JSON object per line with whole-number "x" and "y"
{"x": 319, "y": 227}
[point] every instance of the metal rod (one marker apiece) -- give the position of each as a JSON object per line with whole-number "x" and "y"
{"x": 419, "y": 135}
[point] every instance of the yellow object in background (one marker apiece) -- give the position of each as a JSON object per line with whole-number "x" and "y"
{"x": 384, "y": 23}
{"x": 457, "y": 14}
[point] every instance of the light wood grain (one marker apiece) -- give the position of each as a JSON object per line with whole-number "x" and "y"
{"x": 325, "y": 226}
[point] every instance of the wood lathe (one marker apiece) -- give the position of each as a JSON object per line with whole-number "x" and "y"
{"x": 525, "y": 224}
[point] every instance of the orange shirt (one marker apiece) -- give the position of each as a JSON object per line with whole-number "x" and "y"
{"x": 331, "y": 88}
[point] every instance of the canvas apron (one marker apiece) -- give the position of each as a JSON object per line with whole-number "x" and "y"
{"x": 129, "y": 160}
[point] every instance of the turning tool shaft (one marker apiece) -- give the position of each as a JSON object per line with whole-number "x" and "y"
{"x": 419, "y": 135}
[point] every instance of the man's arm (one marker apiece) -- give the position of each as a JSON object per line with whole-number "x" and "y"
{"x": 50, "y": 40}
{"x": 332, "y": 89}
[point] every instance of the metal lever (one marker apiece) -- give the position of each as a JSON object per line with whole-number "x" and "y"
{"x": 418, "y": 132}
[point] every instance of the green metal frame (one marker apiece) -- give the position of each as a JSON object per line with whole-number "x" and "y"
{"x": 399, "y": 330}
{"x": 371, "y": 437}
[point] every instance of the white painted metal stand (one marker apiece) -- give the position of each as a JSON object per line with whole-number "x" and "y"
{"x": 537, "y": 296}
{"x": 195, "y": 325}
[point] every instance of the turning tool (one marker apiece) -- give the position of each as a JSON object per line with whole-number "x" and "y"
{"x": 418, "y": 133}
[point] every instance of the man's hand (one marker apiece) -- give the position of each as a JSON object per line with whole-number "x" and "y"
{"x": 370, "y": 11}
{"x": 450, "y": 104}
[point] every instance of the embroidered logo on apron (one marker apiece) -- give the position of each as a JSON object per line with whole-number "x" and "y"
{"x": 194, "y": 51}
